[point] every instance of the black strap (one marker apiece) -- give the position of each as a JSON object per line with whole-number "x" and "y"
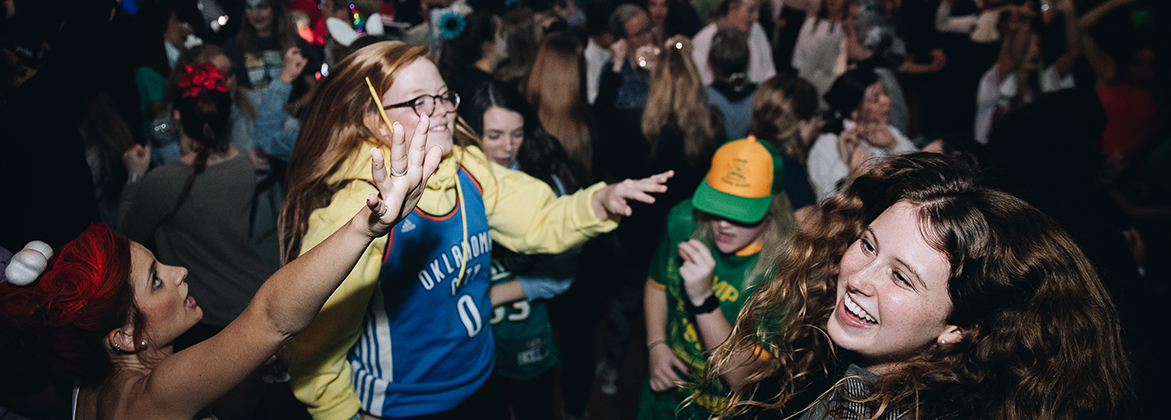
{"x": 710, "y": 304}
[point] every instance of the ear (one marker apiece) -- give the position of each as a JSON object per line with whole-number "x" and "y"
{"x": 951, "y": 335}
{"x": 175, "y": 114}
{"x": 373, "y": 122}
{"x": 122, "y": 340}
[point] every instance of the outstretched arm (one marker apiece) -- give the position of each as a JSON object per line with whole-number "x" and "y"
{"x": 1103, "y": 64}
{"x": 611, "y": 201}
{"x": 184, "y": 383}
{"x": 945, "y": 22}
{"x": 1072, "y": 27}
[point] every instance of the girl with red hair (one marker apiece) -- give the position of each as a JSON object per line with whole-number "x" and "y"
{"x": 105, "y": 312}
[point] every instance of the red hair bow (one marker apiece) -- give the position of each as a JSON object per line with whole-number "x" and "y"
{"x": 198, "y": 78}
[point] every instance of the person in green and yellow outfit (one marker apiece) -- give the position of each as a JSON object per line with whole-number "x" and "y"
{"x": 716, "y": 246}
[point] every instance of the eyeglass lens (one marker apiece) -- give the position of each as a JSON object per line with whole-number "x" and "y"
{"x": 426, "y": 104}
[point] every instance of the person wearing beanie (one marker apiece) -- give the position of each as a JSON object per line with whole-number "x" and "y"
{"x": 715, "y": 248}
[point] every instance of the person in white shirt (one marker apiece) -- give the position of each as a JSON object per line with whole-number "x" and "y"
{"x": 1019, "y": 75}
{"x": 856, "y": 133}
{"x": 743, "y": 15}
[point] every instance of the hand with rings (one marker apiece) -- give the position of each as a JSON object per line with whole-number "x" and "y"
{"x": 399, "y": 193}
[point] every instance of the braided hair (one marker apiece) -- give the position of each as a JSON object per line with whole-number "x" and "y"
{"x": 204, "y": 109}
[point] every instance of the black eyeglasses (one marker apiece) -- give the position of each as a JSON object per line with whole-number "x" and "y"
{"x": 426, "y": 104}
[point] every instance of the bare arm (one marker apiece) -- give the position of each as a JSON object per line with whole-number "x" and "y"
{"x": 664, "y": 368}
{"x": 1105, "y": 68}
{"x": 945, "y": 22}
{"x": 713, "y": 326}
{"x": 506, "y": 292}
{"x": 1092, "y": 17}
{"x": 187, "y": 381}
{"x": 1013, "y": 48}
{"x": 1065, "y": 62}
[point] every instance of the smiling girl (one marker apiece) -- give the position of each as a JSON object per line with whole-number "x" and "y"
{"x": 917, "y": 292}
{"x": 407, "y": 334}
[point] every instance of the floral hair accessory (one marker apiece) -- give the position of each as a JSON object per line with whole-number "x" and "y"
{"x": 199, "y": 77}
{"x": 451, "y": 24}
{"x": 28, "y": 264}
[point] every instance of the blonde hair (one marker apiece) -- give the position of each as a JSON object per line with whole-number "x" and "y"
{"x": 677, "y": 91}
{"x": 555, "y": 89}
{"x": 333, "y": 129}
{"x": 782, "y": 226}
{"x": 779, "y": 104}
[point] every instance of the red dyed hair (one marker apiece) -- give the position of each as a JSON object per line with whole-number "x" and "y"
{"x": 65, "y": 315}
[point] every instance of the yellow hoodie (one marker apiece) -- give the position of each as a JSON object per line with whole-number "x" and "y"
{"x": 523, "y": 214}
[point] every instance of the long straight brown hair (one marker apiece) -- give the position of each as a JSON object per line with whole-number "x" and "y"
{"x": 556, "y": 87}
{"x": 677, "y": 91}
{"x": 283, "y": 29}
{"x": 332, "y": 130}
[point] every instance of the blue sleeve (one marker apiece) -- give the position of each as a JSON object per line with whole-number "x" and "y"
{"x": 551, "y": 276}
{"x": 270, "y": 134}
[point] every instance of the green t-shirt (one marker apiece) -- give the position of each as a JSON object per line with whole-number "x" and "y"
{"x": 524, "y": 337}
{"x": 729, "y": 287}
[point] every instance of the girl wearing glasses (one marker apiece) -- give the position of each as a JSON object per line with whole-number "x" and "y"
{"x": 407, "y": 333}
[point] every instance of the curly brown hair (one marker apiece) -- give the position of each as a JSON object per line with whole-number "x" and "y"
{"x": 1041, "y": 336}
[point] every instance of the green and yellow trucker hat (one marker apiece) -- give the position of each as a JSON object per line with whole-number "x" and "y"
{"x": 739, "y": 185}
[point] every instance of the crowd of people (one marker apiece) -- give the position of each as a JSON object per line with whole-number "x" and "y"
{"x": 436, "y": 209}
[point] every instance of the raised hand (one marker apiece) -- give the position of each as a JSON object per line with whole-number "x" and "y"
{"x": 294, "y": 64}
{"x": 136, "y": 159}
{"x": 617, "y": 54}
{"x": 611, "y": 201}
{"x": 698, "y": 266}
{"x": 411, "y": 166}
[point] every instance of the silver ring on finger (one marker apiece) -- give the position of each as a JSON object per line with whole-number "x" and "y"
{"x": 396, "y": 174}
{"x": 385, "y": 208}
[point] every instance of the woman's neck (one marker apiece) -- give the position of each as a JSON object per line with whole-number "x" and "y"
{"x": 266, "y": 32}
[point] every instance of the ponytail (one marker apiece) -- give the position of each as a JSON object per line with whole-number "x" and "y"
{"x": 205, "y": 114}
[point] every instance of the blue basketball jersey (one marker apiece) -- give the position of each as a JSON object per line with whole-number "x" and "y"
{"x": 426, "y": 344}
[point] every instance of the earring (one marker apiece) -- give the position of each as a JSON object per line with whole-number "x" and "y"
{"x": 142, "y": 344}
{"x": 117, "y": 347}
{"x": 942, "y": 342}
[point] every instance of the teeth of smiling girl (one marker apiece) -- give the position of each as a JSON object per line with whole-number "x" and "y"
{"x": 857, "y": 310}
